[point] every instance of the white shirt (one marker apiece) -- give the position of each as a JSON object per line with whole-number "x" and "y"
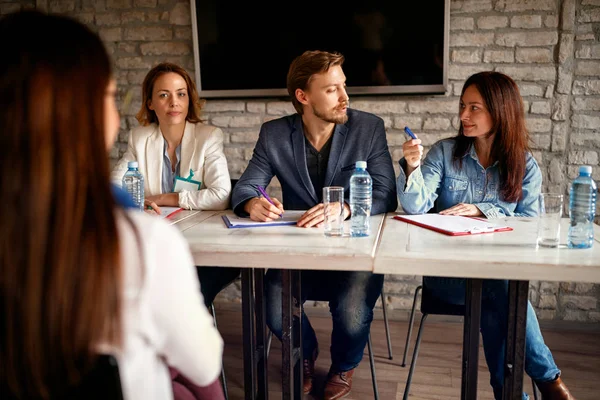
{"x": 165, "y": 321}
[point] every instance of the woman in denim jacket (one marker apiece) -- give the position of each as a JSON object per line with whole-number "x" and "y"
{"x": 487, "y": 170}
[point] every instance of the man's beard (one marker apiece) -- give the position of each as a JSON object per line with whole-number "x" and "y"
{"x": 331, "y": 117}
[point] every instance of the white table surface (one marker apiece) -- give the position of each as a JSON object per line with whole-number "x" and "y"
{"x": 182, "y": 215}
{"x": 284, "y": 247}
{"x": 411, "y": 250}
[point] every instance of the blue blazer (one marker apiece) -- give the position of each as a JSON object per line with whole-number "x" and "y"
{"x": 280, "y": 152}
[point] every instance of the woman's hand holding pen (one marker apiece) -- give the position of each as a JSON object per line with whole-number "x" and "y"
{"x": 260, "y": 209}
{"x": 413, "y": 152}
{"x": 151, "y": 207}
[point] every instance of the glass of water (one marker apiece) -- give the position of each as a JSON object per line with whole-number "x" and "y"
{"x": 333, "y": 200}
{"x": 551, "y": 208}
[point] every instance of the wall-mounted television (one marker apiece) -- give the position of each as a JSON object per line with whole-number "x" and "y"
{"x": 244, "y": 48}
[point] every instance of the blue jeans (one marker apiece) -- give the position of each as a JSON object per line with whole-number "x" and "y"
{"x": 351, "y": 296}
{"x": 539, "y": 363}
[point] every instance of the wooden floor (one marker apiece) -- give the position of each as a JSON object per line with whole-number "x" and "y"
{"x": 438, "y": 371}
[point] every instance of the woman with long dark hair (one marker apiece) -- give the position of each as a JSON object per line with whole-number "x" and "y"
{"x": 487, "y": 170}
{"x": 80, "y": 276}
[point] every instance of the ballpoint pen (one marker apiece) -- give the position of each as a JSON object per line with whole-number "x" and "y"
{"x": 266, "y": 196}
{"x": 409, "y": 132}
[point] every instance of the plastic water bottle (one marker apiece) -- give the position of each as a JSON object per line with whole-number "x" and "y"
{"x": 133, "y": 183}
{"x": 361, "y": 199}
{"x": 582, "y": 208}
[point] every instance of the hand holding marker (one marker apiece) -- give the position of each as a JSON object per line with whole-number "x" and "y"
{"x": 266, "y": 196}
{"x": 412, "y": 152}
{"x": 409, "y": 132}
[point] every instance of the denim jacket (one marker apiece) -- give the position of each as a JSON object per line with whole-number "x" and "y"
{"x": 439, "y": 180}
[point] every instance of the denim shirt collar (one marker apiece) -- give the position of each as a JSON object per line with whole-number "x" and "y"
{"x": 473, "y": 154}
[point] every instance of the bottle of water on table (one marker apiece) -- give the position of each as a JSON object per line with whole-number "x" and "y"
{"x": 361, "y": 199}
{"x": 582, "y": 209}
{"x": 133, "y": 183}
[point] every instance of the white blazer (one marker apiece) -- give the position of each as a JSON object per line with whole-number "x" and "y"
{"x": 201, "y": 151}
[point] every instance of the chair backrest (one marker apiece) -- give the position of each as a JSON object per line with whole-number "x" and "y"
{"x": 430, "y": 304}
{"x": 102, "y": 382}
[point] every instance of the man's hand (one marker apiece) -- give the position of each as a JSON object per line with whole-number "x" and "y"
{"x": 261, "y": 210}
{"x": 467, "y": 210}
{"x": 315, "y": 216}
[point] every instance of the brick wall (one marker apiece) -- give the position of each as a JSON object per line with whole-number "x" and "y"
{"x": 550, "y": 47}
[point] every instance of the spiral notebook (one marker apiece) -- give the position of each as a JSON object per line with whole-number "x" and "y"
{"x": 453, "y": 225}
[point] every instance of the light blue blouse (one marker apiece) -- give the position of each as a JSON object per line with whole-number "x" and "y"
{"x": 167, "y": 182}
{"x": 439, "y": 180}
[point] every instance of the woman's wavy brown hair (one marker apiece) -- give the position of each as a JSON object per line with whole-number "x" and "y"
{"x": 60, "y": 273}
{"x": 146, "y": 116}
{"x": 511, "y": 142}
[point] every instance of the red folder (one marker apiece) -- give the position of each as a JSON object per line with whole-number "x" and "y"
{"x": 453, "y": 225}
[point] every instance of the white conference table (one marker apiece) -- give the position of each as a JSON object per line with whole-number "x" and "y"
{"x": 182, "y": 215}
{"x": 290, "y": 249}
{"x": 407, "y": 249}
{"x": 394, "y": 247}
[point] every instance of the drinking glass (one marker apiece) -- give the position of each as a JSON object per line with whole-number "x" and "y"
{"x": 551, "y": 207}
{"x": 333, "y": 200}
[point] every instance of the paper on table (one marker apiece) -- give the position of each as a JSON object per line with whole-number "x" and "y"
{"x": 288, "y": 218}
{"x": 166, "y": 212}
{"x": 454, "y": 225}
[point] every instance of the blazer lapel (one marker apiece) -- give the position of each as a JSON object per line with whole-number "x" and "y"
{"x": 188, "y": 148}
{"x": 154, "y": 162}
{"x": 337, "y": 147}
{"x": 300, "y": 157}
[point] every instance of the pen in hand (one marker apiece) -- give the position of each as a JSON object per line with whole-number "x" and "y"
{"x": 412, "y": 152}
{"x": 266, "y": 196}
{"x": 409, "y": 132}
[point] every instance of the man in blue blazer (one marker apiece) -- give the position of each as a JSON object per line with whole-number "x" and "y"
{"x": 315, "y": 148}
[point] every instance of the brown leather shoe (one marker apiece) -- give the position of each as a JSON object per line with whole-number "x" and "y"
{"x": 338, "y": 385}
{"x": 309, "y": 372}
{"x": 554, "y": 390}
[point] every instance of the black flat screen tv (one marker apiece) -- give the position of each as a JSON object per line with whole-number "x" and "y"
{"x": 244, "y": 48}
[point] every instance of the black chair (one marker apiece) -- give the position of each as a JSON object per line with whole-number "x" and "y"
{"x": 430, "y": 305}
{"x": 102, "y": 382}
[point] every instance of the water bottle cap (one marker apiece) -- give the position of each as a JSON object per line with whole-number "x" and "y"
{"x": 585, "y": 170}
{"x": 132, "y": 164}
{"x": 361, "y": 164}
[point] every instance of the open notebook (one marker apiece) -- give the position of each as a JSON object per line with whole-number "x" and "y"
{"x": 288, "y": 218}
{"x": 453, "y": 225}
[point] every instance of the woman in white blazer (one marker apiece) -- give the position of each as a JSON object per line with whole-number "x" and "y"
{"x": 171, "y": 142}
